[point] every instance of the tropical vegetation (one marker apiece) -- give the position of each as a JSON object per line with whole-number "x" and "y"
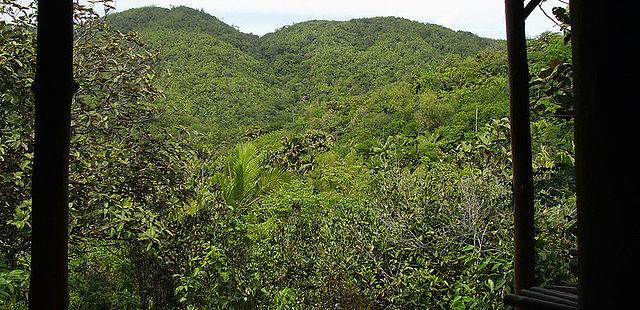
{"x": 362, "y": 164}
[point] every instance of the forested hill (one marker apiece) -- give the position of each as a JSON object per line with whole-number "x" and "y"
{"x": 182, "y": 18}
{"x": 223, "y": 82}
{"x": 330, "y": 57}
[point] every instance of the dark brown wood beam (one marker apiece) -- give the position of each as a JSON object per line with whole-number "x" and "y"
{"x": 607, "y": 114}
{"x": 522, "y": 183}
{"x": 530, "y": 303}
{"x": 53, "y": 89}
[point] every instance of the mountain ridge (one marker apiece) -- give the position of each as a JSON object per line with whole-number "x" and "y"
{"x": 245, "y": 82}
{"x": 181, "y": 18}
{"x": 209, "y": 23}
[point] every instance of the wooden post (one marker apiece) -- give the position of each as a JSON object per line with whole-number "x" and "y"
{"x": 53, "y": 89}
{"x": 607, "y": 111}
{"x": 520, "y": 146}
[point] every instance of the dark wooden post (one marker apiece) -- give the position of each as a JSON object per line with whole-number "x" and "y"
{"x": 520, "y": 146}
{"x": 607, "y": 118}
{"x": 53, "y": 89}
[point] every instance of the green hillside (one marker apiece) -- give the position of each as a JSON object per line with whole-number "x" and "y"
{"x": 182, "y": 18}
{"x": 329, "y": 58}
{"x": 213, "y": 87}
{"x": 225, "y": 83}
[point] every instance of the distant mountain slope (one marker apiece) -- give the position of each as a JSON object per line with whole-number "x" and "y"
{"x": 184, "y": 19}
{"x": 355, "y": 56}
{"x": 366, "y": 32}
{"x": 211, "y": 80}
{"x": 213, "y": 86}
{"x": 225, "y": 83}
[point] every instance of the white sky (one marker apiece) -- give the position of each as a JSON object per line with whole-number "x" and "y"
{"x": 482, "y": 17}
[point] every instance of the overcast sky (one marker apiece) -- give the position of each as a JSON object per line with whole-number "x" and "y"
{"x": 482, "y": 17}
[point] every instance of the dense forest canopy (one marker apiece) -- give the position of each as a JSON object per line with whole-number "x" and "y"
{"x": 362, "y": 164}
{"x": 230, "y": 82}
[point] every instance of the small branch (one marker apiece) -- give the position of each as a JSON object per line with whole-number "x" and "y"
{"x": 563, "y": 27}
{"x": 531, "y": 6}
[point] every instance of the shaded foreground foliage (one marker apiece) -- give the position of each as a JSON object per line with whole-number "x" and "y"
{"x": 385, "y": 187}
